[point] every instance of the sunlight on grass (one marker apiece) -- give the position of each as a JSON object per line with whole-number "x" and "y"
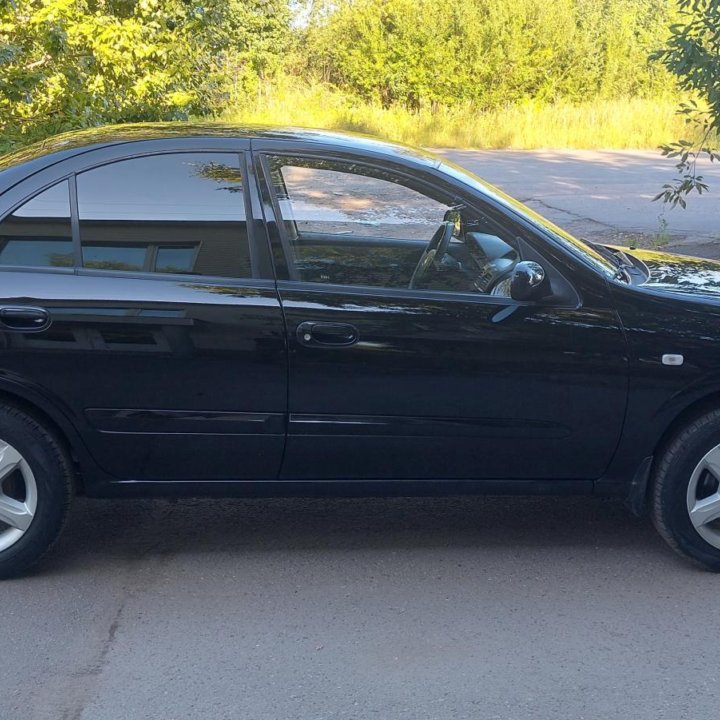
{"x": 621, "y": 123}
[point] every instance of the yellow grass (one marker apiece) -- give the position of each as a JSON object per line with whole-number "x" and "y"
{"x": 619, "y": 123}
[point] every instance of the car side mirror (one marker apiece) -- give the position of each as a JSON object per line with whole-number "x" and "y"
{"x": 528, "y": 281}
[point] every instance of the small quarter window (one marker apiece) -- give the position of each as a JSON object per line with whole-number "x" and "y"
{"x": 38, "y": 233}
{"x": 176, "y": 213}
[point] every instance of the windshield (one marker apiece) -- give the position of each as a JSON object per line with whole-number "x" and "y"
{"x": 579, "y": 248}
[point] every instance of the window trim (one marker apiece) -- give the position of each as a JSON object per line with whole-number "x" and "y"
{"x": 219, "y": 280}
{"x": 407, "y": 293}
{"x": 75, "y": 222}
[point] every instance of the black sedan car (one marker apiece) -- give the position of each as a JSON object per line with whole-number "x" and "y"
{"x": 210, "y": 310}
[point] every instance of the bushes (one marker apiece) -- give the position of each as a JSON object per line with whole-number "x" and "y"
{"x": 425, "y": 53}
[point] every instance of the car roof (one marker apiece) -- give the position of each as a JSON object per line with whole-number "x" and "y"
{"x": 56, "y": 148}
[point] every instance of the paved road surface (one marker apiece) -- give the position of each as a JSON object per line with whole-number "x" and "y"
{"x": 604, "y": 194}
{"x": 425, "y": 609}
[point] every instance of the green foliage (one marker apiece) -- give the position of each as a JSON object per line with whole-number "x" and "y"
{"x": 692, "y": 54}
{"x": 424, "y": 53}
{"x": 493, "y": 73}
{"x": 75, "y": 63}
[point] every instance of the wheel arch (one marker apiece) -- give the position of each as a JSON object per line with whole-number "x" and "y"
{"x": 643, "y": 482}
{"x": 50, "y": 416}
{"x": 690, "y": 412}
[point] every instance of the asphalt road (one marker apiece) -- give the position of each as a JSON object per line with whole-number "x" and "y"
{"x": 436, "y": 609}
{"x": 605, "y": 195}
{"x": 401, "y": 608}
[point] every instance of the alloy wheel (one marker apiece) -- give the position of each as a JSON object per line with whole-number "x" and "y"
{"x": 18, "y": 496}
{"x": 703, "y": 497}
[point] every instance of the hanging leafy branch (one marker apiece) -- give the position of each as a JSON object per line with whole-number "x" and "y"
{"x": 66, "y": 64}
{"x": 692, "y": 54}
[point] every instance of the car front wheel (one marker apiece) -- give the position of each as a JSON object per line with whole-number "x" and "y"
{"x": 686, "y": 491}
{"x": 36, "y": 487}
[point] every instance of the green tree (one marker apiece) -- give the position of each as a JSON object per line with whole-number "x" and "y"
{"x": 693, "y": 55}
{"x": 76, "y": 63}
{"x": 488, "y": 52}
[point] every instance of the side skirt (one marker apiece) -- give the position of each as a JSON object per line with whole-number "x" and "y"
{"x": 335, "y": 488}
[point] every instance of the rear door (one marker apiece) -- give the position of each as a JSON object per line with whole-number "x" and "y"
{"x": 164, "y": 338}
{"x": 444, "y": 376}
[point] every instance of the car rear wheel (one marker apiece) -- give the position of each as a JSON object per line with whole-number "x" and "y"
{"x": 686, "y": 492}
{"x": 36, "y": 487}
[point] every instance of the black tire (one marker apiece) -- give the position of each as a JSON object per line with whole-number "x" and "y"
{"x": 53, "y": 472}
{"x": 671, "y": 479}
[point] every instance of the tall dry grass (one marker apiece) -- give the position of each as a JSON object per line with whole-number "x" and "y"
{"x": 634, "y": 123}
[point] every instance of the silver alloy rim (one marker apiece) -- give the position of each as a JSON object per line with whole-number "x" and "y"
{"x": 703, "y": 497}
{"x": 18, "y": 496}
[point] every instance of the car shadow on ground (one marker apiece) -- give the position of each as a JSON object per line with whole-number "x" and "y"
{"x": 101, "y": 530}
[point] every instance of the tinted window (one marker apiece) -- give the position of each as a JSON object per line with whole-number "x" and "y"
{"x": 176, "y": 213}
{"x": 355, "y": 225}
{"x": 38, "y": 233}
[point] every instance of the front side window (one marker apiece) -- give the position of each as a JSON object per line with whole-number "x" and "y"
{"x": 177, "y": 213}
{"x": 38, "y": 233}
{"x": 350, "y": 224}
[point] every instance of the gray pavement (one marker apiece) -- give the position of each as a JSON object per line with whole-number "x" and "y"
{"x": 400, "y": 608}
{"x": 605, "y": 194}
{"x": 426, "y": 609}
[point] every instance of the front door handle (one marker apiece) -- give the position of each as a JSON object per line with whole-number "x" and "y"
{"x": 318, "y": 334}
{"x": 24, "y": 319}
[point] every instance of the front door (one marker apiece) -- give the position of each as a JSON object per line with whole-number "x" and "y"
{"x": 407, "y": 357}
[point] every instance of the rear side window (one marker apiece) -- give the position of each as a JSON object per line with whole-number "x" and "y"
{"x": 174, "y": 213}
{"x": 38, "y": 233}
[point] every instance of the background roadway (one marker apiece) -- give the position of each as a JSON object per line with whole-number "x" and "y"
{"x": 605, "y": 195}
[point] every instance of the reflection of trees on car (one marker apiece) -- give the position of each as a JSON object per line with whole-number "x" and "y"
{"x": 221, "y": 173}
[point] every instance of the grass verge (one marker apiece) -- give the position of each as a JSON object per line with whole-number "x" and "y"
{"x": 633, "y": 123}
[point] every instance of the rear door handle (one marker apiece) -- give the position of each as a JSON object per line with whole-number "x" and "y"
{"x": 24, "y": 319}
{"x": 318, "y": 334}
